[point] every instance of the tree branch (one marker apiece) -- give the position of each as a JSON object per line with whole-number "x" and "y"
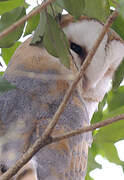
{"x": 58, "y": 138}
{"x": 88, "y": 128}
{"x": 87, "y": 61}
{"x": 45, "y": 139}
{"x": 25, "y": 18}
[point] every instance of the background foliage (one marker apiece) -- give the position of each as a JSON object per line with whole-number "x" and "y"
{"x": 12, "y": 10}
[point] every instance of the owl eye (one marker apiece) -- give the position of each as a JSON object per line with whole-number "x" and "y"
{"x": 81, "y": 51}
{"x": 3, "y": 168}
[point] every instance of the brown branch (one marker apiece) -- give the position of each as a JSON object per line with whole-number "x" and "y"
{"x": 44, "y": 140}
{"x": 58, "y": 138}
{"x": 80, "y": 74}
{"x": 105, "y": 29}
{"x": 25, "y": 18}
{"x": 88, "y": 128}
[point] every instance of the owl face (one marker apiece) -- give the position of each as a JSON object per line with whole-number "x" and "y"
{"x": 97, "y": 78}
{"x": 82, "y": 35}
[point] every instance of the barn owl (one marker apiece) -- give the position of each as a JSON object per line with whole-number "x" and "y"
{"x": 42, "y": 82}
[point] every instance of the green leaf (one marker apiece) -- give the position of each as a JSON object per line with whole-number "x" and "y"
{"x": 110, "y": 152}
{"x": 102, "y": 103}
{"x": 99, "y": 9}
{"x": 118, "y": 76}
{"x": 32, "y": 24}
{"x": 75, "y": 8}
{"x": 8, "y": 19}
{"x": 105, "y": 134}
{"x": 118, "y": 26}
{"x": 110, "y": 114}
{"x": 5, "y": 85}
{"x": 38, "y": 35}
{"x": 116, "y": 127}
{"x": 115, "y": 99}
{"x": 105, "y": 139}
{"x": 92, "y": 164}
{"x": 6, "y": 6}
{"x": 1, "y": 73}
{"x": 113, "y": 3}
{"x": 7, "y": 53}
{"x": 97, "y": 116}
{"x": 87, "y": 177}
{"x": 54, "y": 9}
{"x": 55, "y": 41}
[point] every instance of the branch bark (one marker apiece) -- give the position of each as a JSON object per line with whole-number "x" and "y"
{"x": 25, "y": 18}
{"x": 45, "y": 139}
{"x": 88, "y": 128}
{"x": 80, "y": 74}
{"x": 12, "y": 171}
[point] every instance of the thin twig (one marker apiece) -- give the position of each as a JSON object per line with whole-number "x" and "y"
{"x": 44, "y": 140}
{"x": 25, "y": 18}
{"x": 61, "y": 137}
{"x": 80, "y": 74}
{"x": 88, "y": 128}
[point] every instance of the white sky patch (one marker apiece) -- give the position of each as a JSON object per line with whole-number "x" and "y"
{"x": 3, "y": 67}
{"x": 105, "y": 107}
{"x": 112, "y": 8}
{"x": 120, "y": 147}
{"x": 64, "y": 11}
{"x": 32, "y": 3}
{"x": 109, "y": 171}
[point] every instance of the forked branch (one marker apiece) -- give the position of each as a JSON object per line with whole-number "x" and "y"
{"x": 45, "y": 138}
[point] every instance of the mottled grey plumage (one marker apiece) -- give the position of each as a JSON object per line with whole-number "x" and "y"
{"x": 42, "y": 82}
{"x": 32, "y": 104}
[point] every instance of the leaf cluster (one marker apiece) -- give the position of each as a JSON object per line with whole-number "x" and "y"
{"x": 47, "y": 32}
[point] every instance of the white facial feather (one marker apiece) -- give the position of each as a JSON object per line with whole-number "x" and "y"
{"x": 85, "y": 33}
{"x": 99, "y": 73}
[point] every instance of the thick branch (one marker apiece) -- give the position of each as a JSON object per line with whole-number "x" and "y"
{"x": 44, "y": 140}
{"x": 25, "y": 18}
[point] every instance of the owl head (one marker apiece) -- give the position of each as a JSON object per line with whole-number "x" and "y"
{"x": 81, "y": 35}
